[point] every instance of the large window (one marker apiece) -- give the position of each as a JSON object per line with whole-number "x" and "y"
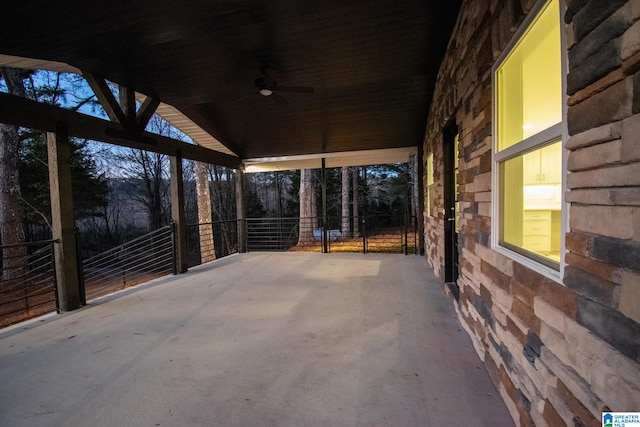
{"x": 528, "y": 103}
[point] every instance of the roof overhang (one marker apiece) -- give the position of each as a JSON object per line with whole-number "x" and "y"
{"x": 332, "y": 160}
{"x": 348, "y": 78}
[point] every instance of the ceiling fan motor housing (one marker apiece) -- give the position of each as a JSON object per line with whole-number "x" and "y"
{"x": 263, "y": 88}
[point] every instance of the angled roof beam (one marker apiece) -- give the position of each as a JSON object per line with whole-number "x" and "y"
{"x": 123, "y": 112}
{"x": 105, "y": 97}
{"x": 28, "y": 113}
{"x": 146, "y": 111}
{"x": 128, "y": 104}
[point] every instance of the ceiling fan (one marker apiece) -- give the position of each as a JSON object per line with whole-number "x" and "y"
{"x": 267, "y": 86}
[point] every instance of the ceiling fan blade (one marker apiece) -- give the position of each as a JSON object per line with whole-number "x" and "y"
{"x": 278, "y": 99}
{"x": 296, "y": 89}
{"x": 244, "y": 97}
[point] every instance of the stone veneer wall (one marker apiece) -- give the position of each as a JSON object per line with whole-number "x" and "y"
{"x": 585, "y": 331}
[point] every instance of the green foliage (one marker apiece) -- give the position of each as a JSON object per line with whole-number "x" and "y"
{"x": 387, "y": 189}
{"x": 89, "y": 187}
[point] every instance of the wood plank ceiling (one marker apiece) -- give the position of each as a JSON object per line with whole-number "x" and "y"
{"x": 371, "y": 64}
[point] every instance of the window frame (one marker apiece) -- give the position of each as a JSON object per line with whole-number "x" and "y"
{"x": 537, "y": 141}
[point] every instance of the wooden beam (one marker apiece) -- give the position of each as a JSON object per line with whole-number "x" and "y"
{"x": 62, "y": 221}
{"x": 146, "y": 110}
{"x": 15, "y": 110}
{"x": 128, "y": 104}
{"x": 177, "y": 213}
{"x": 241, "y": 211}
{"x": 105, "y": 97}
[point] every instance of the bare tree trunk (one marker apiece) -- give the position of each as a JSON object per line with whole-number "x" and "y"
{"x": 356, "y": 210}
{"x": 345, "y": 201}
{"x": 207, "y": 245}
{"x": 307, "y": 202}
{"x": 11, "y": 216}
{"x": 224, "y": 204}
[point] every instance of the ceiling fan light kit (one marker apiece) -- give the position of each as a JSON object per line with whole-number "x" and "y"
{"x": 267, "y": 86}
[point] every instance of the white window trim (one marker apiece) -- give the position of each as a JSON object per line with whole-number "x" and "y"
{"x": 530, "y": 143}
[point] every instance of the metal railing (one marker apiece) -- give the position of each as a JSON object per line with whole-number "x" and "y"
{"x": 211, "y": 240}
{"x": 139, "y": 260}
{"x": 281, "y": 234}
{"x": 374, "y": 233}
{"x": 28, "y": 281}
{"x": 389, "y": 234}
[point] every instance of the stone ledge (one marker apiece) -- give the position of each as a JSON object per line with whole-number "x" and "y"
{"x": 630, "y": 296}
{"x": 604, "y": 133}
{"x": 629, "y": 196}
{"x": 584, "y": 416}
{"x": 597, "y": 220}
{"x": 574, "y": 382}
{"x": 612, "y": 104}
{"x": 579, "y": 243}
{"x": 593, "y": 287}
{"x": 594, "y": 67}
{"x": 613, "y": 176}
{"x": 549, "y": 315}
{"x": 630, "y": 41}
{"x": 597, "y": 268}
{"x": 621, "y": 253}
{"x": 616, "y": 329}
{"x": 551, "y": 414}
{"x": 630, "y": 150}
{"x": 611, "y": 28}
{"x": 612, "y": 376}
{"x": 596, "y": 156}
{"x": 588, "y": 15}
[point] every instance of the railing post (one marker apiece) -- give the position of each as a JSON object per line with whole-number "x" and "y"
{"x": 54, "y": 275}
{"x": 83, "y": 293}
{"x": 241, "y": 212}
{"x": 364, "y": 236}
{"x": 325, "y": 248}
{"x": 177, "y": 211}
{"x": 174, "y": 257}
{"x": 406, "y": 239}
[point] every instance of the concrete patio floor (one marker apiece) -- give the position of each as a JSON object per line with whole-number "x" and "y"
{"x": 259, "y": 339}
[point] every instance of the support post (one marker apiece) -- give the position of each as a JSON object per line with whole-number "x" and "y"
{"x": 241, "y": 212}
{"x": 63, "y": 224}
{"x": 419, "y": 181}
{"x": 177, "y": 212}
{"x": 325, "y": 240}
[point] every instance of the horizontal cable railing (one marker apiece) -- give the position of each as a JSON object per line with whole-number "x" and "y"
{"x": 373, "y": 233}
{"x": 142, "y": 259}
{"x": 281, "y": 234}
{"x": 28, "y": 281}
{"x": 211, "y": 240}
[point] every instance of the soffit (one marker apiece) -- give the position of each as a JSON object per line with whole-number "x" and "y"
{"x": 372, "y": 65}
